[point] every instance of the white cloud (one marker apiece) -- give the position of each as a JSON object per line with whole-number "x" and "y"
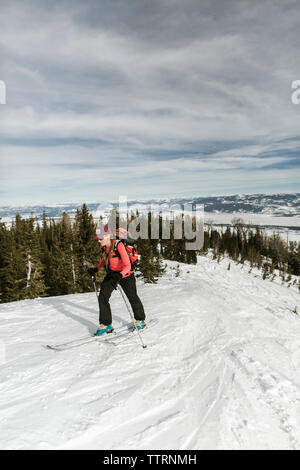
{"x": 198, "y": 75}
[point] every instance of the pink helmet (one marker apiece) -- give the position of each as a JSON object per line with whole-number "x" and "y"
{"x": 101, "y": 232}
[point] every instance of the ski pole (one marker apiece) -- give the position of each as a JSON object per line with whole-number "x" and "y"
{"x": 132, "y": 318}
{"x": 95, "y": 287}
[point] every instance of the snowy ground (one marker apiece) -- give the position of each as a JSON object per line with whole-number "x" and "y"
{"x": 221, "y": 369}
{"x": 287, "y": 235}
{"x": 252, "y": 219}
{"x": 287, "y": 227}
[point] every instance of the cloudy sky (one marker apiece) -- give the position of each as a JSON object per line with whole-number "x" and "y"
{"x": 147, "y": 98}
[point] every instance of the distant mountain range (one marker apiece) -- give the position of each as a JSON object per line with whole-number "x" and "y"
{"x": 278, "y": 205}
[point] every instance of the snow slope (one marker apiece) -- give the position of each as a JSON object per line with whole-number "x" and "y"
{"x": 221, "y": 369}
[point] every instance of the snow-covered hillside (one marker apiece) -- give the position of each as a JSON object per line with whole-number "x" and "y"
{"x": 221, "y": 369}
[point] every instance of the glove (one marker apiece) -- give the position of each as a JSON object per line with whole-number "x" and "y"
{"x": 92, "y": 271}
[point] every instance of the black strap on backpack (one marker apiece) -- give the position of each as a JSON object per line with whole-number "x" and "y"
{"x": 126, "y": 242}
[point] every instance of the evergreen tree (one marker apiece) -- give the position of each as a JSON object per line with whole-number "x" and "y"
{"x": 85, "y": 248}
{"x": 8, "y": 290}
{"x": 35, "y": 284}
{"x": 147, "y": 263}
{"x": 20, "y": 258}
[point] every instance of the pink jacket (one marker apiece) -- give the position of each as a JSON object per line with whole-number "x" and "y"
{"x": 115, "y": 263}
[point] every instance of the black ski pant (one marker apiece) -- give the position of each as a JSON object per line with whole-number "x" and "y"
{"x": 128, "y": 285}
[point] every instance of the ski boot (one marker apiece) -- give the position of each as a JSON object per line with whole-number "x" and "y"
{"x": 139, "y": 324}
{"x": 104, "y": 329}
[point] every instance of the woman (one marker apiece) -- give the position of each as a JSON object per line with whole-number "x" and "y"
{"x": 119, "y": 270}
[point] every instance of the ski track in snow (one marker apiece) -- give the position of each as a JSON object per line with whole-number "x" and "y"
{"x": 221, "y": 370}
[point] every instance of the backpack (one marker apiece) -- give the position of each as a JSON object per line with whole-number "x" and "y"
{"x": 130, "y": 247}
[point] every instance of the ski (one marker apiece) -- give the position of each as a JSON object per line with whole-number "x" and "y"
{"x": 91, "y": 339}
{"x": 116, "y": 337}
{"x": 132, "y": 332}
{"x": 74, "y": 343}
{"x": 69, "y": 342}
